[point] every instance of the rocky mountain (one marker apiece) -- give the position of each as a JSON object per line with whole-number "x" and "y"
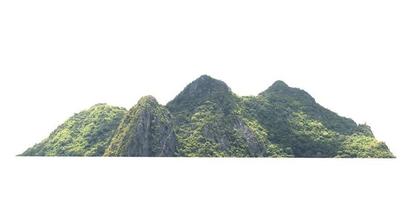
{"x": 210, "y": 121}
{"x": 146, "y": 130}
{"x": 207, "y": 119}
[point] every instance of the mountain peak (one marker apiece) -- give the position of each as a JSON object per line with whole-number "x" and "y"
{"x": 145, "y": 103}
{"x": 209, "y": 81}
{"x": 279, "y": 83}
{"x": 146, "y": 130}
{"x": 280, "y": 90}
{"x": 201, "y": 90}
{"x": 148, "y": 99}
{"x": 203, "y": 87}
{"x": 205, "y": 77}
{"x": 206, "y": 83}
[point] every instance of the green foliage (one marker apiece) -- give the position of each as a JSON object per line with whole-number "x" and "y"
{"x": 195, "y": 145}
{"x": 85, "y": 134}
{"x": 212, "y": 121}
{"x": 262, "y": 134}
{"x": 200, "y": 91}
{"x": 363, "y": 146}
{"x": 363, "y": 129}
{"x": 297, "y": 100}
{"x": 145, "y": 131}
{"x": 203, "y": 111}
{"x": 272, "y": 117}
{"x": 207, "y": 120}
{"x": 311, "y": 138}
{"x": 207, "y": 133}
{"x": 295, "y": 122}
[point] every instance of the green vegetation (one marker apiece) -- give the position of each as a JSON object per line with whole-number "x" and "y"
{"x": 145, "y": 131}
{"x": 87, "y": 133}
{"x": 208, "y": 120}
{"x": 212, "y": 122}
{"x": 289, "y": 100}
{"x": 363, "y": 146}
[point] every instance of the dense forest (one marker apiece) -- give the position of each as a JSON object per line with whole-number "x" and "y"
{"x": 208, "y": 120}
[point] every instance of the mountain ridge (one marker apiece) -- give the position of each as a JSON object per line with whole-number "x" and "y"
{"x": 206, "y": 119}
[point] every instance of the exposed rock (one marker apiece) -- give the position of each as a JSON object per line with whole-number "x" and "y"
{"x": 255, "y": 147}
{"x": 146, "y": 130}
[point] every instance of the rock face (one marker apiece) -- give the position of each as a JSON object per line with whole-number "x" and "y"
{"x": 207, "y": 119}
{"x": 254, "y": 145}
{"x": 146, "y": 130}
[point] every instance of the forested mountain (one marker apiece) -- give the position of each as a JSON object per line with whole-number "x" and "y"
{"x": 208, "y": 120}
{"x": 87, "y": 133}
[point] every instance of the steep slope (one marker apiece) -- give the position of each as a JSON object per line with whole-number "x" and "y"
{"x": 209, "y": 123}
{"x": 363, "y": 146}
{"x": 85, "y": 134}
{"x": 146, "y": 130}
{"x": 294, "y": 120}
{"x": 299, "y": 100}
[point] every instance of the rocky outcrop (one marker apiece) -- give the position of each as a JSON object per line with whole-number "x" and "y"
{"x": 255, "y": 147}
{"x": 146, "y": 130}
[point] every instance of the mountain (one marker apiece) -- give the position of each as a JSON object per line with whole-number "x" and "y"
{"x": 296, "y": 99}
{"x": 87, "y": 133}
{"x": 207, "y": 119}
{"x": 209, "y": 122}
{"x": 146, "y": 130}
{"x": 294, "y": 120}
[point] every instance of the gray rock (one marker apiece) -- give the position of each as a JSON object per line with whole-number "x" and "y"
{"x": 147, "y": 130}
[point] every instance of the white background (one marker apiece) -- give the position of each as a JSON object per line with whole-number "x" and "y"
{"x": 60, "y": 57}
